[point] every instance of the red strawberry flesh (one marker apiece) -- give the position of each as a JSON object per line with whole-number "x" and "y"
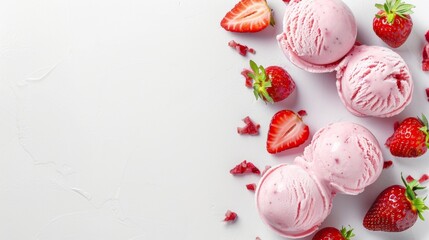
{"x": 425, "y": 55}
{"x": 287, "y": 130}
{"x": 248, "y": 16}
{"x": 427, "y": 36}
{"x": 249, "y": 80}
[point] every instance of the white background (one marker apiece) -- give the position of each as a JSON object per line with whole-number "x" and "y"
{"x": 118, "y": 120}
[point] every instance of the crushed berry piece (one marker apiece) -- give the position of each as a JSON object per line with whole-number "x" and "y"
{"x": 425, "y": 61}
{"x": 302, "y": 113}
{"x": 396, "y": 125}
{"x": 427, "y": 93}
{"x": 257, "y": 238}
{"x": 387, "y": 164}
{"x": 423, "y": 178}
{"x": 286, "y": 1}
{"x": 409, "y": 178}
{"x": 240, "y": 48}
{"x": 250, "y": 129}
{"x": 249, "y": 80}
{"x": 251, "y": 186}
{"x": 245, "y": 167}
{"x": 230, "y": 216}
{"x": 427, "y": 36}
{"x": 267, "y": 167}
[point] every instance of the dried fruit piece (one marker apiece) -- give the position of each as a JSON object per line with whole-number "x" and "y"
{"x": 425, "y": 55}
{"x": 249, "y": 80}
{"x": 240, "y": 48}
{"x": 423, "y": 178}
{"x": 251, "y": 186}
{"x": 387, "y": 164}
{"x": 245, "y": 167}
{"x": 302, "y": 113}
{"x": 230, "y": 216}
{"x": 251, "y": 128}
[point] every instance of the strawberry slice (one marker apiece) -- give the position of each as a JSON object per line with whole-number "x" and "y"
{"x": 287, "y": 130}
{"x": 248, "y": 16}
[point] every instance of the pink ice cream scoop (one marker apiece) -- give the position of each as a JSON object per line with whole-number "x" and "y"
{"x": 291, "y": 201}
{"x": 374, "y": 81}
{"x": 317, "y": 34}
{"x": 295, "y": 199}
{"x": 345, "y": 156}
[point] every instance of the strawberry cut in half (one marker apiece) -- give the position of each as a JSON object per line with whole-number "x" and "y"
{"x": 287, "y": 130}
{"x": 248, "y": 16}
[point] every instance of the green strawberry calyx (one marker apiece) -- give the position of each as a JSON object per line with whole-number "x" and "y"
{"x": 425, "y": 129}
{"x": 347, "y": 233}
{"x": 417, "y": 204}
{"x": 261, "y": 82}
{"x": 391, "y": 8}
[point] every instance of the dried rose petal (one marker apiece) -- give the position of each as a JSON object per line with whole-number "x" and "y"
{"x": 241, "y": 49}
{"x": 230, "y": 216}
{"x": 251, "y": 186}
{"x": 250, "y": 129}
{"x": 427, "y": 36}
{"x": 409, "y": 178}
{"x": 302, "y": 113}
{"x": 267, "y": 167}
{"x": 423, "y": 178}
{"x": 249, "y": 80}
{"x": 387, "y": 164}
{"x": 245, "y": 167}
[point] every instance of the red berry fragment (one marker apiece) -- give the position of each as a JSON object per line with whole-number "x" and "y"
{"x": 251, "y": 186}
{"x": 425, "y": 61}
{"x": 396, "y": 125}
{"x": 257, "y": 238}
{"x": 427, "y": 93}
{"x": 427, "y": 36}
{"x": 230, "y": 216}
{"x": 409, "y": 179}
{"x": 249, "y": 80}
{"x": 250, "y": 129}
{"x": 302, "y": 113}
{"x": 245, "y": 167}
{"x": 240, "y": 48}
{"x": 423, "y": 178}
{"x": 387, "y": 164}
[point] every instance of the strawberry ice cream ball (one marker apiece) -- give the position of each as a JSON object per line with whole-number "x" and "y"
{"x": 291, "y": 201}
{"x": 374, "y": 81}
{"x": 345, "y": 156}
{"x": 317, "y": 33}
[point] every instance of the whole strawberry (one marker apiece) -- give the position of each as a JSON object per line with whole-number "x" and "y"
{"x": 331, "y": 233}
{"x": 410, "y": 139}
{"x": 272, "y": 84}
{"x": 393, "y": 22}
{"x": 396, "y": 208}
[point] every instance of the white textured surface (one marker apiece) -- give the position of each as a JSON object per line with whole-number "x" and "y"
{"x": 118, "y": 120}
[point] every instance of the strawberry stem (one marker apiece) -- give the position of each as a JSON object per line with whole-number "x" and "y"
{"x": 347, "y": 233}
{"x": 417, "y": 204}
{"x": 391, "y": 8}
{"x": 260, "y": 82}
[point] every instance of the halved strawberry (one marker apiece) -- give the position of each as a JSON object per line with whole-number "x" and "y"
{"x": 287, "y": 130}
{"x": 248, "y": 16}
